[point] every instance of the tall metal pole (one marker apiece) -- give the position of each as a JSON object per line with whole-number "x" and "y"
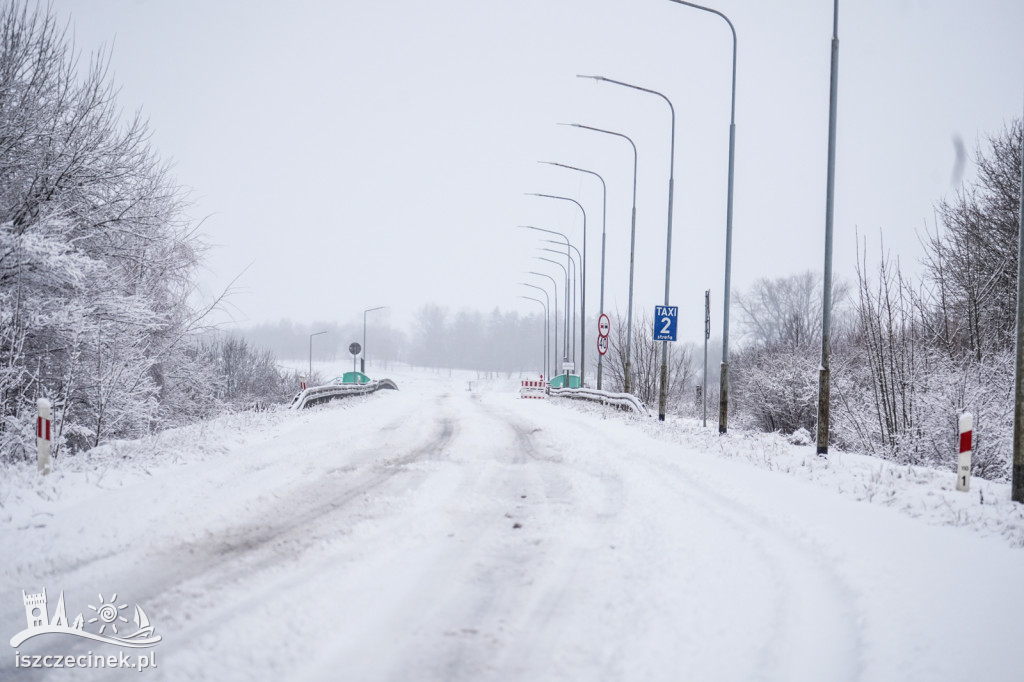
{"x": 567, "y": 247}
{"x": 663, "y": 391}
{"x": 555, "y": 314}
{"x": 723, "y": 393}
{"x": 707, "y": 335}
{"x": 826, "y": 295}
{"x": 574, "y": 277}
{"x": 604, "y": 216}
{"x": 362, "y": 360}
{"x": 583, "y": 295}
{"x": 627, "y": 370}
{"x": 543, "y": 365}
{"x": 568, "y": 279}
{"x": 1017, "y": 484}
{"x": 311, "y": 352}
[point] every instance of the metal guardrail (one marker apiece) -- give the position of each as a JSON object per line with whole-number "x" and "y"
{"x": 314, "y": 395}
{"x": 625, "y": 401}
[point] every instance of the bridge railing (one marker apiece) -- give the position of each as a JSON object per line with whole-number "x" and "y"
{"x": 314, "y": 395}
{"x": 625, "y": 401}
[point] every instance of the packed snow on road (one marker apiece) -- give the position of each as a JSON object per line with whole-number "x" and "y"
{"x": 442, "y": 533}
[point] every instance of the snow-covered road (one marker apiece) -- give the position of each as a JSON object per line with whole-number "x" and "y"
{"x": 436, "y": 533}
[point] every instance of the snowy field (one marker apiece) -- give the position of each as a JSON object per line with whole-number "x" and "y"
{"x": 440, "y": 533}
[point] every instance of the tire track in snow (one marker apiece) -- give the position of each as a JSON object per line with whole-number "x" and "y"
{"x": 300, "y": 518}
{"x": 816, "y": 634}
{"x": 528, "y": 578}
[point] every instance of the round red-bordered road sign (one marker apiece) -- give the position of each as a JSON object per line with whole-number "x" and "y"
{"x": 604, "y": 325}
{"x": 602, "y": 344}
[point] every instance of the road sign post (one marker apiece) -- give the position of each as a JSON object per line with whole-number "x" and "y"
{"x": 354, "y": 349}
{"x": 666, "y": 321}
{"x": 604, "y": 326}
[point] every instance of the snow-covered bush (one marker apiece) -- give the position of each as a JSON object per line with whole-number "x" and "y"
{"x": 776, "y": 389}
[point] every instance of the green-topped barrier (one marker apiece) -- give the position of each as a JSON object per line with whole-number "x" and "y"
{"x": 565, "y": 381}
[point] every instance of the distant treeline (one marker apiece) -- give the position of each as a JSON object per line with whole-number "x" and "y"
{"x": 496, "y": 341}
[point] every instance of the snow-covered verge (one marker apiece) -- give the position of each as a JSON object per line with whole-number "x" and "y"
{"x": 27, "y": 497}
{"x": 921, "y": 492}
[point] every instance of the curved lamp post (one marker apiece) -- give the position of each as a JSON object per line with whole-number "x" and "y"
{"x": 663, "y": 392}
{"x": 555, "y": 311}
{"x": 567, "y": 246}
{"x": 632, "y": 246}
{"x": 544, "y": 364}
{"x": 826, "y": 284}
{"x": 604, "y": 218}
{"x": 573, "y": 276}
{"x": 362, "y": 360}
{"x": 573, "y": 263}
{"x": 583, "y": 294}
{"x": 723, "y": 393}
{"x": 311, "y": 352}
{"x": 567, "y": 304}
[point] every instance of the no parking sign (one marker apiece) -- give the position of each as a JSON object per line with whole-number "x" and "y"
{"x": 604, "y": 325}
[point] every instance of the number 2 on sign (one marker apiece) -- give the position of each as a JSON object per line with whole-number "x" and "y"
{"x": 665, "y": 322}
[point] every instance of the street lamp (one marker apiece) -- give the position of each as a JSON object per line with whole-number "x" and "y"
{"x": 362, "y": 360}
{"x": 663, "y": 393}
{"x": 545, "y": 366}
{"x": 311, "y": 352}
{"x": 826, "y": 284}
{"x": 583, "y": 295}
{"x": 632, "y": 244}
{"x": 552, "y": 314}
{"x": 604, "y": 216}
{"x": 567, "y": 305}
{"x": 573, "y": 273}
{"x": 567, "y": 247}
{"x": 555, "y": 287}
{"x": 723, "y": 392}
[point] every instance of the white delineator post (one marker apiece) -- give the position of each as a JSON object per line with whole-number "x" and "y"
{"x": 963, "y": 470}
{"x": 43, "y": 430}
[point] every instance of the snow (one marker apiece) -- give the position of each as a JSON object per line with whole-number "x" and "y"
{"x": 438, "y": 533}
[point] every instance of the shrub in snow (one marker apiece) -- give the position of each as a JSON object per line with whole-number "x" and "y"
{"x": 801, "y": 437}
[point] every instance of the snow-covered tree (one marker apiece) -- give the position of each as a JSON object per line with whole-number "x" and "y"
{"x": 97, "y": 257}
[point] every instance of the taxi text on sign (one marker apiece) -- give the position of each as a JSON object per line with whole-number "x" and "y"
{"x": 666, "y": 318}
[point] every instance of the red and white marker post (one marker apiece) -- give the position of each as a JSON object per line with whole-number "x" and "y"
{"x": 963, "y": 469}
{"x": 43, "y": 431}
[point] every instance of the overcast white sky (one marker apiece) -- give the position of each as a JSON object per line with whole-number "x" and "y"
{"x": 367, "y": 153}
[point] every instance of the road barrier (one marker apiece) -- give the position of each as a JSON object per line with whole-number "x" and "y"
{"x": 624, "y": 401}
{"x": 533, "y": 389}
{"x": 314, "y": 395}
